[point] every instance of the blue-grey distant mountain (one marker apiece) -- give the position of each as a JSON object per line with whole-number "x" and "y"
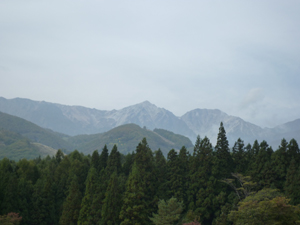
{"x": 75, "y": 120}
{"x": 206, "y": 122}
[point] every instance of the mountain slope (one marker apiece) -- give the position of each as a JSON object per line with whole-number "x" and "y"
{"x": 127, "y": 137}
{"x": 33, "y": 132}
{"x": 206, "y": 122}
{"x": 14, "y": 146}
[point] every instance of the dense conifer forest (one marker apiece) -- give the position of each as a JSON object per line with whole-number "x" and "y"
{"x": 246, "y": 184}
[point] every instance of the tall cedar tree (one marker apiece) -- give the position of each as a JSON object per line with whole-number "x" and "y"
{"x": 103, "y": 158}
{"x": 95, "y": 161}
{"x": 25, "y": 188}
{"x": 6, "y": 171}
{"x": 174, "y": 175}
{"x": 193, "y": 184}
{"x": 140, "y": 188}
{"x": 114, "y": 162}
{"x": 113, "y": 201}
{"x": 98, "y": 197}
{"x": 262, "y": 166}
{"x": 292, "y": 184}
{"x": 61, "y": 180}
{"x": 223, "y": 162}
{"x": 86, "y": 204}
{"x": 204, "y": 206}
{"x": 280, "y": 163}
{"x": 239, "y": 157}
{"x": 134, "y": 208}
{"x": 72, "y": 204}
{"x": 161, "y": 175}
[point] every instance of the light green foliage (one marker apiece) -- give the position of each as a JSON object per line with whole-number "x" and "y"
{"x": 168, "y": 212}
{"x": 266, "y": 207}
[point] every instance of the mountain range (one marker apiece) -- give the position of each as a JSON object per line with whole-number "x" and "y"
{"x": 78, "y": 120}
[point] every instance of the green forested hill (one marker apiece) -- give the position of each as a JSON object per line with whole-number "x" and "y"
{"x": 177, "y": 139}
{"x": 14, "y": 146}
{"x": 33, "y": 132}
{"x": 36, "y": 141}
{"x": 126, "y": 138}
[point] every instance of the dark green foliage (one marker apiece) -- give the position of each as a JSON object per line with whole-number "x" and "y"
{"x": 113, "y": 201}
{"x": 140, "y": 188}
{"x": 98, "y": 197}
{"x": 103, "y": 159}
{"x": 49, "y": 190}
{"x": 134, "y": 208}
{"x": 292, "y": 184}
{"x": 280, "y": 164}
{"x": 72, "y": 204}
{"x": 293, "y": 151}
{"x": 239, "y": 157}
{"x": 95, "y": 161}
{"x": 129, "y": 159}
{"x": 262, "y": 171}
{"x": 161, "y": 175}
{"x": 90, "y": 193}
{"x": 204, "y": 205}
{"x": 114, "y": 162}
{"x": 10, "y": 195}
{"x": 223, "y": 162}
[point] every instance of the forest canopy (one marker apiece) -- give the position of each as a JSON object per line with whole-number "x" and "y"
{"x": 246, "y": 184}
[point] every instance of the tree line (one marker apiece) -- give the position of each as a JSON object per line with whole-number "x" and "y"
{"x": 247, "y": 184}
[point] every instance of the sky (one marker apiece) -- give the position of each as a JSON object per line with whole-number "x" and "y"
{"x": 242, "y": 57}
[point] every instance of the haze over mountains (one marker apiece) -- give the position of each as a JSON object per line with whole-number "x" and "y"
{"x": 75, "y": 120}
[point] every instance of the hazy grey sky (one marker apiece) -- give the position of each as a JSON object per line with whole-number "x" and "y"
{"x": 242, "y": 57}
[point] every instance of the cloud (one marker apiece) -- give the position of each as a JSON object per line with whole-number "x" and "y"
{"x": 254, "y": 96}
